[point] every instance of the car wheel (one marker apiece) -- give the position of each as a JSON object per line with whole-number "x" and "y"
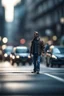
{"x": 17, "y": 64}
{"x": 30, "y": 63}
{"x": 50, "y": 63}
{"x": 47, "y": 65}
{"x": 23, "y": 64}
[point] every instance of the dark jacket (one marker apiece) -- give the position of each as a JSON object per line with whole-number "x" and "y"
{"x": 37, "y": 46}
{"x": 46, "y": 47}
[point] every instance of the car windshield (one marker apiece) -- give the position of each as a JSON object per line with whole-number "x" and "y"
{"x": 22, "y": 51}
{"x": 58, "y": 50}
{"x": 8, "y": 50}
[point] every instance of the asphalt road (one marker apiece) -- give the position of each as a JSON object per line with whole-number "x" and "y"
{"x": 19, "y": 81}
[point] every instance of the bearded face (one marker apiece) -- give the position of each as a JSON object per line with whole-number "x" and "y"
{"x": 36, "y": 34}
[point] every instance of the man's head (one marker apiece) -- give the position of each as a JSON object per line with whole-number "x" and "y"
{"x": 50, "y": 42}
{"x": 36, "y": 34}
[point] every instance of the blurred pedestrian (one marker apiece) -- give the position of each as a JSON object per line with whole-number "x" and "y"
{"x": 47, "y": 46}
{"x": 37, "y": 48}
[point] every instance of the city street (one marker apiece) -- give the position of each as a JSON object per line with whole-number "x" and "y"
{"x": 19, "y": 81}
{"x": 30, "y": 29}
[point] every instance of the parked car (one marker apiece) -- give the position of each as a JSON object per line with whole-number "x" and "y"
{"x": 55, "y": 56}
{"x": 21, "y": 55}
{"x": 7, "y": 51}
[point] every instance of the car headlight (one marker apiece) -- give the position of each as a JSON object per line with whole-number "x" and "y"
{"x": 17, "y": 57}
{"x": 5, "y": 55}
{"x": 53, "y": 56}
{"x": 13, "y": 57}
{"x": 29, "y": 56}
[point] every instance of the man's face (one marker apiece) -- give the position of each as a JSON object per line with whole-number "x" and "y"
{"x": 35, "y": 35}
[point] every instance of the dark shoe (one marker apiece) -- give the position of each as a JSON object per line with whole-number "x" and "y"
{"x": 33, "y": 72}
{"x": 37, "y": 72}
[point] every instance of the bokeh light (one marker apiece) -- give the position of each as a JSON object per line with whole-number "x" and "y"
{"x": 22, "y": 41}
{"x": 3, "y": 47}
{"x": 5, "y": 40}
{"x": 54, "y": 38}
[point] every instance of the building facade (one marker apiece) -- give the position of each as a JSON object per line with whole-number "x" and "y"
{"x": 45, "y": 17}
{"x": 1, "y": 20}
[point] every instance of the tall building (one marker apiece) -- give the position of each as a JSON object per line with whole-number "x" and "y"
{"x": 44, "y": 16}
{"x": 1, "y": 20}
{"x": 14, "y": 29}
{"x": 19, "y": 20}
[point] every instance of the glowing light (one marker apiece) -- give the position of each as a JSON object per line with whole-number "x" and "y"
{"x": 9, "y": 14}
{"x": 14, "y": 49}
{"x": 9, "y": 9}
{"x": 13, "y": 57}
{"x": 53, "y": 56}
{"x": 5, "y": 40}
{"x": 29, "y": 56}
{"x": 16, "y": 2}
{"x": 17, "y": 57}
{"x": 10, "y": 2}
{"x": 54, "y": 38}
{"x": 5, "y": 55}
{"x": 62, "y": 20}
{"x": 3, "y": 47}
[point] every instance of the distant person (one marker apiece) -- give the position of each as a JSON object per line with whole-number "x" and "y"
{"x": 37, "y": 48}
{"x": 47, "y": 46}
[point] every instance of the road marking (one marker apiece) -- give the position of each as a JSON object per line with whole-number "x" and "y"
{"x": 55, "y": 77}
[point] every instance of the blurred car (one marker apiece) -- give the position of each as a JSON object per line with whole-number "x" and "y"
{"x": 7, "y": 51}
{"x": 21, "y": 55}
{"x": 1, "y": 54}
{"x": 55, "y": 56}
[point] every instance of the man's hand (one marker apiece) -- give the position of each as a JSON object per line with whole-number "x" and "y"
{"x": 47, "y": 54}
{"x": 42, "y": 54}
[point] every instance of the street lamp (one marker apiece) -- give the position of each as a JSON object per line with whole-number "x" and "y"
{"x": 9, "y": 9}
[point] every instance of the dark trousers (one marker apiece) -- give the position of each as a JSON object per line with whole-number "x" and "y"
{"x": 36, "y": 61}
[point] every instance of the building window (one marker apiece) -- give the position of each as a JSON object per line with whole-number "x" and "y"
{"x": 50, "y": 3}
{"x": 44, "y": 6}
{"x": 56, "y": 2}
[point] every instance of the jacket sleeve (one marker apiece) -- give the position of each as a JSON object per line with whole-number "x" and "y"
{"x": 42, "y": 46}
{"x": 31, "y": 47}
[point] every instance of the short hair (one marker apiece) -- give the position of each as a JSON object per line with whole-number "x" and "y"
{"x": 36, "y": 33}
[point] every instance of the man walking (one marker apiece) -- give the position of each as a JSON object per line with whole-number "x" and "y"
{"x": 37, "y": 48}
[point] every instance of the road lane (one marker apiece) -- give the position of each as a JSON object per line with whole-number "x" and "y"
{"x": 31, "y": 83}
{"x": 20, "y": 81}
{"x": 55, "y": 77}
